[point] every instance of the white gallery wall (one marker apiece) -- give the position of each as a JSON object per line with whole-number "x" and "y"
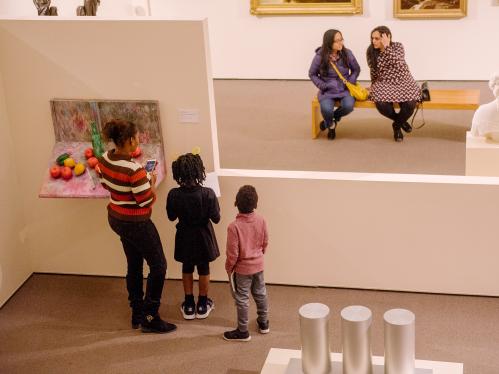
{"x": 15, "y": 264}
{"x": 43, "y": 59}
{"x": 282, "y": 47}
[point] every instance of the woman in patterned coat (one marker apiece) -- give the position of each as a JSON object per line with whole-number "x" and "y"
{"x": 391, "y": 81}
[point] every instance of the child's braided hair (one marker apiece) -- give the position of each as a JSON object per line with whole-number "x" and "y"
{"x": 188, "y": 170}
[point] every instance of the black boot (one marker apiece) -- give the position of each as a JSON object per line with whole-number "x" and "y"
{"x": 331, "y": 134}
{"x": 406, "y": 127}
{"x": 156, "y": 325}
{"x": 397, "y": 133}
{"x": 137, "y": 313}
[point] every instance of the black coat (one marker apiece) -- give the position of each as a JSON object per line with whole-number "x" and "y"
{"x": 195, "y": 241}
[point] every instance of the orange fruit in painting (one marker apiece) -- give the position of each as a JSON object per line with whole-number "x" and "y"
{"x": 136, "y": 153}
{"x": 89, "y": 152}
{"x": 55, "y": 171}
{"x": 92, "y": 161}
{"x": 67, "y": 173}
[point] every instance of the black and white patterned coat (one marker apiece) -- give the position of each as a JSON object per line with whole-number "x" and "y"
{"x": 391, "y": 80}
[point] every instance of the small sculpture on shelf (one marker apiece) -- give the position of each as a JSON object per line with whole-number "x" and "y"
{"x": 89, "y": 8}
{"x": 486, "y": 119}
{"x": 44, "y": 9}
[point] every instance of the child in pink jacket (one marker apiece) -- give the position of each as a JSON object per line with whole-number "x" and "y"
{"x": 247, "y": 240}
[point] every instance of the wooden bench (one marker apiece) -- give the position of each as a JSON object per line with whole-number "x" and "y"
{"x": 440, "y": 99}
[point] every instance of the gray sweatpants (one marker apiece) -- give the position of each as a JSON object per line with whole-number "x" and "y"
{"x": 242, "y": 286}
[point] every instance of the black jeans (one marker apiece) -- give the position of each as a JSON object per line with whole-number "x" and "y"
{"x": 406, "y": 110}
{"x": 141, "y": 242}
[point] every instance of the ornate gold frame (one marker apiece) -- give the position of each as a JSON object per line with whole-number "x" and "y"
{"x": 430, "y": 13}
{"x": 306, "y": 7}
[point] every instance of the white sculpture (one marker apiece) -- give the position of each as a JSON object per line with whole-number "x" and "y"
{"x": 486, "y": 119}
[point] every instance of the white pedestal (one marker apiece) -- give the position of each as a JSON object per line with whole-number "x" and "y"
{"x": 482, "y": 156}
{"x": 278, "y": 359}
{"x": 400, "y": 341}
{"x": 356, "y": 340}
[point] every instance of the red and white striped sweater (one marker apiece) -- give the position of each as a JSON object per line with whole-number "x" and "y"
{"x": 129, "y": 184}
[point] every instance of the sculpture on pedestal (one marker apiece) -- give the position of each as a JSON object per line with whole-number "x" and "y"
{"x": 44, "y": 9}
{"x": 486, "y": 119}
{"x": 89, "y": 8}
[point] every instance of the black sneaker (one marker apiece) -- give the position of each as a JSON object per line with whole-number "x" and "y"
{"x": 331, "y": 134}
{"x": 157, "y": 325}
{"x": 204, "y": 310}
{"x": 322, "y": 125}
{"x": 188, "y": 310}
{"x": 263, "y": 327}
{"x": 237, "y": 336}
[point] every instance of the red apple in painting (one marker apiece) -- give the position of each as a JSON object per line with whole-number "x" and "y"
{"x": 67, "y": 173}
{"x": 89, "y": 152}
{"x": 136, "y": 153}
{"x": 92, "y": 161}
{"x": 55, "y": 171}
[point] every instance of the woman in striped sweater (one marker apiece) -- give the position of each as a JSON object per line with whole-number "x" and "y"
{"x": 129, "y": 210}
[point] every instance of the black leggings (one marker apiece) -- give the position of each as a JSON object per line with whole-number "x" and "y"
{"x": 141, "y": 242}
{"x": 203, "y": 269}
{"x": 406, "y": 109}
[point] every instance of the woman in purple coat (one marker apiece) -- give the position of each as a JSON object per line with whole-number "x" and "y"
{"x": 331, "y": 87}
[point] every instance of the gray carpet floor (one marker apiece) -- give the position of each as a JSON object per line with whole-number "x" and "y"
{"x": 266, "y": 124}
{"x": 80, "y": 324}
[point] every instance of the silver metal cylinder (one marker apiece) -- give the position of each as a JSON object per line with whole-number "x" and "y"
{"x": 356, "y": 339}
{"x": 314, "y": 332}
{"x": 400, "y": 341}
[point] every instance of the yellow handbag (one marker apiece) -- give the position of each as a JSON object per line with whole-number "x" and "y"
{"x": 356, "y": 90}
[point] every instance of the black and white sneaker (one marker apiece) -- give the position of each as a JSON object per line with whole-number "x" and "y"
{"x": 237, "y": 336}
{"x": 188, "y": 310}
{"x": 263, "y": 327}
{"x": 204, "y": 310}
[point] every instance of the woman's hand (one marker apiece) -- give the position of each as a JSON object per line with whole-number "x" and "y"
{"x": 154, "y": 176}
{"x": 385, "y": 40}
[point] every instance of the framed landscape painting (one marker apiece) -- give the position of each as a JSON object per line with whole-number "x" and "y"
{"x": 429, "y": 9}
{"x": 274, "y": 7}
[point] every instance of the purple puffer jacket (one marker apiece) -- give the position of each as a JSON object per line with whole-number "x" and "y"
{"x": 330, "y": 86}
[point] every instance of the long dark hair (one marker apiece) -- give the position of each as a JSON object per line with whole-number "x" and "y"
{"x": 119, "y": 131}
{"x": 188, "y": 170}
{"x": 373, "y": 53}
{"x": 327, "y": 49}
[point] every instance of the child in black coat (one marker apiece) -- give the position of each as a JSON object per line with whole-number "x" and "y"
{"x": 195, "y": 207}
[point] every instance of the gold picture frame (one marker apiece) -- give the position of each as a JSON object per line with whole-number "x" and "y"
{"x": 276, "y": 7}
{"x": 430, "y": 9}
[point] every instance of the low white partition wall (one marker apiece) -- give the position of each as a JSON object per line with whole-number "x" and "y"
{"x": 375, "y": 231}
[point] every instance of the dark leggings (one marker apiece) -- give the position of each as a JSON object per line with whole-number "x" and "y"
{"x": 203, "y": 269}
{"x": 406, "y": 109}
{"x": 141, "y": 242}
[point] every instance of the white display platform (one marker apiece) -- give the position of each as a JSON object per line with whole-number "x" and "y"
{"x": 482, "y": 156}
{"x": 278, "y": 359}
